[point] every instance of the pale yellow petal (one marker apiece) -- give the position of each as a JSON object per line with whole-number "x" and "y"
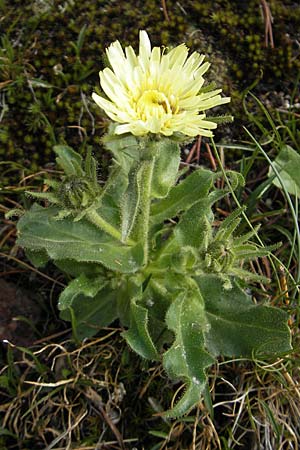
{"x": 154, "y": 125}
{"x": 198, "y": 101}
{"x": 112, "y": 87}
{"x": 156, "y": 91}
{"x": 177, "y": 56}
{"x": 144, "y": 50}
{"x": 131, "y": 57}
{"x": 193, "y": 62}
{"x": 116, "y": 56}
{"x": 121, "y": 129}
{"x": 212, "y": 102}
{"x": 109, "y": 107}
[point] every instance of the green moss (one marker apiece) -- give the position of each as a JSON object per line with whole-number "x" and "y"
{"x": 238, "y": 30}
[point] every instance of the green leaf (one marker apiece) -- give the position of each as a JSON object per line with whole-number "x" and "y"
{"x": 131, "y": 200}
{"x": 166, "y": 168}
{"x": 90, "y": 312}
{"x": 116, "y": 183}
{"x": 4, "y": 381}
{"x": 76, "y": 268}
{"x": 80, "y": 39}
{"x": 52, "y": 198}
{"x": 191, "y": 233}
{"x": 287, "y": 164}
{"x": 230, "y": 224}
{"x": 187, "y": 358}
{"x": 80, "y": 241}
{"x": 131, "y": 287}
{"x": 81, "y": 285}
{"x": 69, "y": 160}
{"x": 182, "y": 196}
{"x": 239, "y": 328}
{"x": 193, "y": 226}
{"x": 109, "y": 208}
{"x": 235, "y": 179}
{"x": 38, "y": 258}
{"x": 90, "y": 167}
{"x": 138, "y": 336}
{"x": 156, "y": 298}
{"x": 126, "y": 149}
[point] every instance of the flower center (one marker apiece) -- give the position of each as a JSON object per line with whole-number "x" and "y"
{"x": 153, "y": 103}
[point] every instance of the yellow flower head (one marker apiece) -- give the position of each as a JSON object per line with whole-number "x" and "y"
{"x": 157, "y": 91}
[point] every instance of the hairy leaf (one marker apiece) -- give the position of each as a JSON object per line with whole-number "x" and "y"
{"x": 182, "y": 196}
{"x": 69, "y": 160}
{"x": 187, "y": 358}
{"x": 190, "y": 234}
{"x": 80, "y": 241}
{"x": 138, "y": 336}
{"x": 193, "y": 226}
{"x": 80, "y": 285}
{"x": 76, "y": 268}
{"x": 93, "y": 306}
{"x": 166, "y": 168}
{"x": 157, "y": 299}
{"x": 38, "y": 258}
{"x": 239, "y": 328}
{"x": 126, "y": 149}
{"x": 131, "y": 200}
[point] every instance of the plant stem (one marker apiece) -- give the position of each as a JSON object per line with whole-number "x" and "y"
{"x": 97, "y": 220}
{"x": 142, "y": 226}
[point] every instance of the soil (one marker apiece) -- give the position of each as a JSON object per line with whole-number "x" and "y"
{"x": 18, "y": 315}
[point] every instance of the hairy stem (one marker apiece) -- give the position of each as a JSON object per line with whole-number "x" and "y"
{"x": 142, "y": 225}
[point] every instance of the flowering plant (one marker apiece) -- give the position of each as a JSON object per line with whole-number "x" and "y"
{"x": 144, "y": 247}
